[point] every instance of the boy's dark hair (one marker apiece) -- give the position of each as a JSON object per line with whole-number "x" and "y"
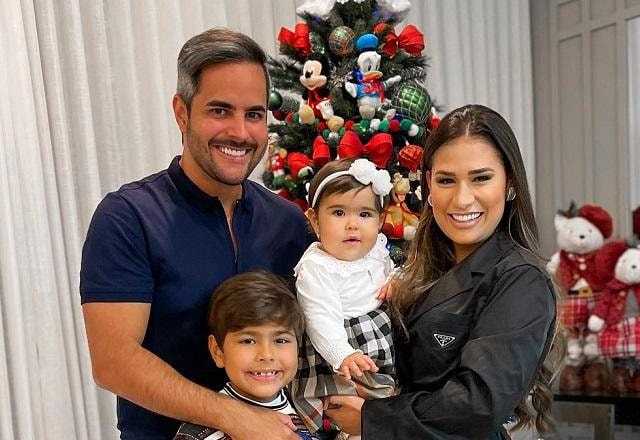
{"x": 252, "y": 299}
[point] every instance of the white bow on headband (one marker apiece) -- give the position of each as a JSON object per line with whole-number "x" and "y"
{"x": 365, "y": 172}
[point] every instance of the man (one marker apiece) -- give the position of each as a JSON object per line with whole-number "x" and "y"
{"x": 157, "y": 248}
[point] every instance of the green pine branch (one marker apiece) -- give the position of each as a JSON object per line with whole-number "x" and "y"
{"x": 285, "y": 74}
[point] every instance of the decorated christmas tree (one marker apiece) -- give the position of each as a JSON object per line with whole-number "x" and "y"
{"x": 347, "y": 85}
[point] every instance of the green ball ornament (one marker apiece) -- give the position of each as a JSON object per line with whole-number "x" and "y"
{"x": 296, "y": 117}
{"x": 405, "y": 125}
{"x": 384, "y": 126}
{"x": 325, "y": 133}
{"x": 365, "y": 124}
{"x": 397, "y": 254}
{"x": 341, "y": 40}
{"x": 413, "y": 102}
{"x": 342, "y": 131}
{"x": 275, "y": 100}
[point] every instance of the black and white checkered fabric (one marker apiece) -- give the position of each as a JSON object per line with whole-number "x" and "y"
{"x": 370, "y": 333}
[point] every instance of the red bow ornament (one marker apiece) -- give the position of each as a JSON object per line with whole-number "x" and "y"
{"x": 299, "y": 39}
{"x": 378, "y": 149}
{"x": 411, "y": 40}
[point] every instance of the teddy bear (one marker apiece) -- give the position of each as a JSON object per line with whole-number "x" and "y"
{"x": 616, "y": 315}
{"x": 399, "y": 221}
{"x": 580, "y": 234}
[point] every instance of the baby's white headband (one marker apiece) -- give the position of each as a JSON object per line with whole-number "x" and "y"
{"x": 364, "y": 172}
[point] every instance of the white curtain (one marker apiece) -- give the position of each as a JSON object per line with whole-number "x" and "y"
{"x": 85, "y": 88}
{"x": 480, "y": 52}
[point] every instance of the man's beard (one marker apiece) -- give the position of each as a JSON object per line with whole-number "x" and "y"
{"x": 202, "y": 156}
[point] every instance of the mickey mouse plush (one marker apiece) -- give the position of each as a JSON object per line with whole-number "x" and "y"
{"x": 317, "y": 102}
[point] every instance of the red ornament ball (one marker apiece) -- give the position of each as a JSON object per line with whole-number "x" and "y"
{"x": 394, "y": 125}
{"x": 348, "y": 125}
{"x": 280, "y": 115}
{"x": 289, "y": 117}
{"x": 322, "y": 126}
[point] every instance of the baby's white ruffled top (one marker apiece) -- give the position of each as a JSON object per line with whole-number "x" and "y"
{"x": 332, "y": 290}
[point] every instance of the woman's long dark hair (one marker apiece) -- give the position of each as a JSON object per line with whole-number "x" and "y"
{"x": 431, "y": 253}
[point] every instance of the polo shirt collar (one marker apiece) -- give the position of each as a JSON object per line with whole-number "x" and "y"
{"x": 198, "y": 198}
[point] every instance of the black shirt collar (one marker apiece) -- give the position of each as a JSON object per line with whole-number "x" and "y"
{"x": 482, "y": 259}
{"x": 195, "y": 196}
{"x": 463, "y": 276}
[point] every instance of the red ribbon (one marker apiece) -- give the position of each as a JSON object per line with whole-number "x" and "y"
{"x": 410, "y": 157}
{"x": 321, "y": 153}
{"x": 378, "y": 149}
{"x": 296, "y": 162}
{"x": 411, "y": 40}
{"x": 299, "y": 39}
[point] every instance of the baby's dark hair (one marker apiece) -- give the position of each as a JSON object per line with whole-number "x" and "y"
{"x": 339, "y": 185}
{"x": 253, "y": 299}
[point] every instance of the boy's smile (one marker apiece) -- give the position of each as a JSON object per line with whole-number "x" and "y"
{"x": 259, "y": 360}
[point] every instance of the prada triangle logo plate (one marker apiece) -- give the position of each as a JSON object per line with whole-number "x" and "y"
{"x": 443, "y": 340}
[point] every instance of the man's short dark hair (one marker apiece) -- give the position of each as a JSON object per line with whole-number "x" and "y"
{"x": 212, "y": 47}
{"x": 253, "y": 299}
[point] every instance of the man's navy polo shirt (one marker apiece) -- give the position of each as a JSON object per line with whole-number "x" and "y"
{"x": 162, "y": 240}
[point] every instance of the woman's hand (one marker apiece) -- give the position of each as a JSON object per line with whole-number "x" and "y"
{"x": 347, "y": 412}
{"x": 355, "y": 364}
{"x": 386, "y": 291}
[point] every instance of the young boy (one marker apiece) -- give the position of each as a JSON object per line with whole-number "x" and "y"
{"x": 255, "y": 327}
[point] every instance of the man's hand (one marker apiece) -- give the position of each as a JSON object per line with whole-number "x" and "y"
{"x": 250, "y": 422}
{"x": 121, "y": 365}
{"x": 355, "y": 364}
{"x": 348, "y": 414}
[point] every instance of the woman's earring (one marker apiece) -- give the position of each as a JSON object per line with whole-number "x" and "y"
{"x": 429, "y": 201}
{"x": 511, "y": 194}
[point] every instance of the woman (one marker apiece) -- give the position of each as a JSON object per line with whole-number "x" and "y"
{"x": 475, "y": 307}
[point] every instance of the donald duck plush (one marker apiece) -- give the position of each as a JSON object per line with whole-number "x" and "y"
{"x": 369, "y": 89}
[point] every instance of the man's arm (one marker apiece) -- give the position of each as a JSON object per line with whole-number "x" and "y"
{"x": 121, "y": 365}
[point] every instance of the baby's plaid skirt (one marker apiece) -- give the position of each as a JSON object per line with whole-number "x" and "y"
{"x": 316, "y": 379}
